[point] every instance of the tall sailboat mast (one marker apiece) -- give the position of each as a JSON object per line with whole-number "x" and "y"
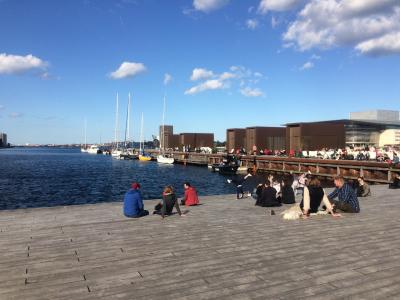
{"x": 85, "y": 133}
{"x": 127, "y": 122}
{"x": 128, "y": 118}
{"x": 163, "y": 127}
{"x": 116, "y": 124}
{"x": 141, "y": 134}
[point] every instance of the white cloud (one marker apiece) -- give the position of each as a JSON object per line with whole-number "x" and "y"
{"x": 274, "y": 22}
{"x": 252, "y": 24}
{"x": 212, "y": 84}
{"x": 209, "y": 5}
{"x": 167, "y": 78}
{"x": 249, "y": 92}
{"x": 315, "y": 57}
{"x": 237, "y": 75}
{"x": 370, "y": 26}
{"x": 15, "y": 115}
{"x": 387, "y": 44}
{"x": 307, "y": 65}
{"x": 200, "y": 73}
{"x": 277, "y": 5}
{"x": 16, "y": 64}
{"x": 128, "y": 69}
{"x": 226, "y": 75}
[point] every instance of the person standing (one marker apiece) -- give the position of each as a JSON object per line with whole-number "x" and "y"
{"x": 133, "y": 202}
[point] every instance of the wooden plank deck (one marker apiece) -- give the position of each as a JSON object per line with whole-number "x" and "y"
{"x": 223, "y": 249}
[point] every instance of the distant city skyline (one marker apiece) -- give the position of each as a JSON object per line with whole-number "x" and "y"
{"x": 221, "y": 64}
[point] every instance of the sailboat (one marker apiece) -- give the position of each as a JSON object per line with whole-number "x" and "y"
{"x": 161, "y": 158}
{"x": 116, "y": 152}
{"x": 142, "y": 155}
{"x": 84, "y": 149}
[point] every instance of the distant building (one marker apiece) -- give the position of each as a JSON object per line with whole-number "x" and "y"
{"x": 3, "y": 140}
{"x": 337, "y": 133}
{"x": 235, "y": 138}
{"x": 165, "y": 132}
{"x": 196, "y": 140}
{"x": 272, "y": 138}
{"x": 376, "y": 115}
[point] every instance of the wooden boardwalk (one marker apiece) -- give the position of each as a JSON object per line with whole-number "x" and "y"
{"x": 223, "y": 249}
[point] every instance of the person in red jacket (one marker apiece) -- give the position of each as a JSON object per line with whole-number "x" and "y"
{"x": 190, "y": 197}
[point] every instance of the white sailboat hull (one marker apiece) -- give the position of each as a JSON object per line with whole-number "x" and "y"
{"x": 165, "y": 160}
{"x": 116, "y": 154}
{"x": 93, "y": 149}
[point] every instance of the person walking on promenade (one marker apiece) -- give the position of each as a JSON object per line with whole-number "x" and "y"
{"x": 190, "y": 198}
{"x": 347, "y": 198}
{"x": 314, "y": 194}
{"x": 169, "y": 201}
{"x": 238, "y": 181}
{"x": 133, "y": 202}
{"x": 268, "y": 196}
{"x": 363, "y": 189}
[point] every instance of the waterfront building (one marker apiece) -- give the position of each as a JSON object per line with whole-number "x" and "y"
{"x": 376, "y": 115}
{"x": 196, "y": 140}
{"x": 235, "y": 138}
{"x": 165, "y": 132}
{"x": 272, "y": 138}
{"x": 192, "y": 140}
{"x": 335, "y": 134}
{"x": 3, "y": 140}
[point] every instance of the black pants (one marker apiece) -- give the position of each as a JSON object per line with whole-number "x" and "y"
{"x": 141, "y": 214}
{"x": 343, "y": 206}
{"x": 239, "y": 190}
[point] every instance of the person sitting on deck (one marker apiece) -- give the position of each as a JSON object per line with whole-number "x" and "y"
{"x": 190, "y": 197}
{"x": 347, "y": 198}
{"x": 167, "y": 204}
{"x": 396, "y": 182}
{"x": 133, "y": 202}
{"x": 313, "y": 195}
{"x": 268, "y": 196}
{"x": 363, "y": 189}
{"x": 287, "y": 193}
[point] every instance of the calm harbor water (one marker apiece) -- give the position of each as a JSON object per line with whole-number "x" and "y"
{"x": 37, "y": 177}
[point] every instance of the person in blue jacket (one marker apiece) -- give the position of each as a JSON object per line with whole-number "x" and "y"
{"x": 133, "y": 202}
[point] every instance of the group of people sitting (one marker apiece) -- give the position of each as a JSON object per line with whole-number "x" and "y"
{"x": 134, "y": 208}
{"x": 343, "y": 198}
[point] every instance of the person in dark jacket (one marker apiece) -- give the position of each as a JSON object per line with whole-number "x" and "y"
{"x": 396, "y": 182}
{"x": 268, "y": 196}
{"x": 313, "y": 195}
{"x": 169, "y": 201}
{"x": 287, "y": 193}
{"x": 133, "y": 202}
{"x": 363, "y": 189}
{"x": 238, "y": 180}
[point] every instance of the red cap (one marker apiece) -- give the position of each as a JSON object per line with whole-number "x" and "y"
{"x": 135, "y": 185}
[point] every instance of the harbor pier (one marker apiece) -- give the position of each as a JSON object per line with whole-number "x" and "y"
{"x": 377, "y": 172}
{"x": 222, "y": 249}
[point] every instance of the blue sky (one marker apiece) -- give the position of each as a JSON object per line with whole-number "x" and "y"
{"x": 229, "y": 64}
